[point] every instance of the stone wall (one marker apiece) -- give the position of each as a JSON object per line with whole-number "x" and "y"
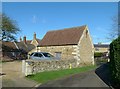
{"x": 31, "y": 66}
{"x": 67, "y": 51}
{"x": 86, "y": 49}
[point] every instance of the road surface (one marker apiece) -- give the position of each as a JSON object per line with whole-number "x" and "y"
{"x": 92, "y": 78}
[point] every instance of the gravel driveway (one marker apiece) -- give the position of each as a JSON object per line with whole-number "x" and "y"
{"x": 13, "y": 76}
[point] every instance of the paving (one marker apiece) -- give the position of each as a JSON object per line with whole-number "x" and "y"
{"x": 13, "y": 77}
{"x": 92, "y": 78}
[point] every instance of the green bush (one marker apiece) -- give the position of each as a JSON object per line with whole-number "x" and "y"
{"x": 98, "y": 54}
{"x": 115, "y": 61}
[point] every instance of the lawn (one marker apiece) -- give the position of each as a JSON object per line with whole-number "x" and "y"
{"x": 46, "y": 76}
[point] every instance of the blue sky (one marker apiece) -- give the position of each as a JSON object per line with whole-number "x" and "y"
{"x": 41, "y": 17}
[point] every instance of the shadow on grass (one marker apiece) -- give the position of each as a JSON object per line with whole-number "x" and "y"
{"x": 104, "y": 73}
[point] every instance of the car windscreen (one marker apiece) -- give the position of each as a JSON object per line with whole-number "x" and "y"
{"x": 47, "y": 55}
{"x": 38, "y": 55}
{"x": 31, "y": 54}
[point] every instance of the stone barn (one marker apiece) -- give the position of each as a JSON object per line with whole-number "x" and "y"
{"x": 69, "y": 43}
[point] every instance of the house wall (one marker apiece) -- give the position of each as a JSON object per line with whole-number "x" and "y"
{"x": 86, "y": 49}
{"x": 34, "y": 42}
{"x": 67, "y": 52}
{"x": 101, "y": 49}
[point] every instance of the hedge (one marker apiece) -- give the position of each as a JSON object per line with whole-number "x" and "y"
{"x": 115, "y": 61}
{"x": 98, "y": 54}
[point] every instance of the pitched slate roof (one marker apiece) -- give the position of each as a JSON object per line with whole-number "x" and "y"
{"x": 11, "y": 46}
{"x": 26, "y": 47}
{"x": 29, "y": 41}
{"x": 67, "y": 36}
{"x": 8, "y": 46}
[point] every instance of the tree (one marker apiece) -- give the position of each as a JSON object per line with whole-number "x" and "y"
{"x": 114, "y": 31}
{"x": 9, "y": 28}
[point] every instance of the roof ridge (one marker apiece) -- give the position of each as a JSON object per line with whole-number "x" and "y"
{"x": 67, "y": 28}
{"x": 16, "y": 45}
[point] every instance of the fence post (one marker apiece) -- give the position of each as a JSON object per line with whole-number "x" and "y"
{"x": 28, "y": 69}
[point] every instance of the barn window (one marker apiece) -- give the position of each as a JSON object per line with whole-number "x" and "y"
{"x": 58, "y": 55}
{"x": 86, "y": 33}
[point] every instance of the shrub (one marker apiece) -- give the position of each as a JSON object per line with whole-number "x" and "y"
{"x": 98, "y": 54}
{"x": 115, "y": 61}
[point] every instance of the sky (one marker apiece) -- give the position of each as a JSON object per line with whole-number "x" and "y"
{"x": 40, "y": 17}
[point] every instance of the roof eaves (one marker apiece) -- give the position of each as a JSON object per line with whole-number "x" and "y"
{"x": 56, "y": 45}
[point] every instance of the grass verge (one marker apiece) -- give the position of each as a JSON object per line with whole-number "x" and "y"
{"x": 46, "y": 76}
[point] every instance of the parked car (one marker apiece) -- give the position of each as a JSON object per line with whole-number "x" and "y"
{"x": 41, "y": 56}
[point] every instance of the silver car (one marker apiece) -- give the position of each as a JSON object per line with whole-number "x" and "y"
{"x": 41, "y": 56}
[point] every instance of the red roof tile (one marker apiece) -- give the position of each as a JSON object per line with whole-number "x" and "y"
{"x": 63, "y": 37}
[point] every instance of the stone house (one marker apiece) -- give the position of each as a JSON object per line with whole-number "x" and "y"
{"x": 101, "y": 48}
{"x": 15, "y": 50}
{"x": 35, "y": 41}
{"x": 69, "y": 43}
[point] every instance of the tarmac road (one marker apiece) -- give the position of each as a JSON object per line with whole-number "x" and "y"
{"x": 93, "y": 78}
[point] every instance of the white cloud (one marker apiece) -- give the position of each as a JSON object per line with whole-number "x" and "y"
{"x": 34, "y": 19}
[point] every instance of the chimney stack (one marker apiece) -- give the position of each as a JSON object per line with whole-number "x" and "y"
{"x": 24, "y": 39}
{"x": 34, "y": 36}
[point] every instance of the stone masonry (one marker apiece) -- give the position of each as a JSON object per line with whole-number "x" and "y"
{"x": 82, "y": 51}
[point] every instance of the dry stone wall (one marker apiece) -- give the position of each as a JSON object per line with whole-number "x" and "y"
{"x": 35, "y": 66}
